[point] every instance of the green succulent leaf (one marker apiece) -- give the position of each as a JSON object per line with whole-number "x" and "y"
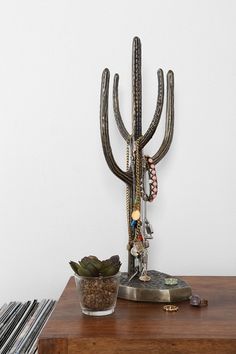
{"x": 110, "y": 266}
{"x": 91, "y": 266}
{"x": 83, "y": 271}
{"x": 110, "y": 270}
{"x": 96, "y": 263}
{"x": 74, "y": 266}
{"x": 115, "y": 259}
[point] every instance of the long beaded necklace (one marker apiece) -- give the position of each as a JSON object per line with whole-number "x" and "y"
{"x": 136, "y": 247}
{"x": 139, "y": 228}
{"x": 137, "y": 202}
{"x": 127, "y": 197}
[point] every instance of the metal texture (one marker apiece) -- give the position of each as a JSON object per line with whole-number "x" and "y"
{"x": 116, "y": 109}
{"x": 136, "y": 89}
{"x": 124, "y": 176}
{"x": 154, "y": 290}
{"x": 136, "y": 135}
{"x": 169, "y": 127}
{"x": 157, "y": 115}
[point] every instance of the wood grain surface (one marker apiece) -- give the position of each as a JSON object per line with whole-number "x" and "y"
{"x": 138, "y": 327}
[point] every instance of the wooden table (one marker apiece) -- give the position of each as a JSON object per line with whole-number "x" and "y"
{"x": 138, "y": 327}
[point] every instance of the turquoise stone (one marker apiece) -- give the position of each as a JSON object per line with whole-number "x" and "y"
{"x": 133, "y": 223}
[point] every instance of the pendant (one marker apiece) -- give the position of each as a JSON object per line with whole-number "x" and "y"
{"x": 140, "y": 237}
{"x": 133, "y": 223}
{"x": 148, "y": 229}
{"x": 144, "y": 277}
{"x": 146, "y": 243}
{"x": 135, "y": 215}
{"x": 134, "y": 251}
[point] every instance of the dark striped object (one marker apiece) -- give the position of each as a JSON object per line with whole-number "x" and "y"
{"x": 21, "y": 324}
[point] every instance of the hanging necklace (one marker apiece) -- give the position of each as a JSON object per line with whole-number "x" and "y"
{"x": 139, "y": 227}
{"x": 137, "y": 247}
{"x": 127, "y": 196}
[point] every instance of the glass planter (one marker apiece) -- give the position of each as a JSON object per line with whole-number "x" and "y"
{"x": 97, "y": 295}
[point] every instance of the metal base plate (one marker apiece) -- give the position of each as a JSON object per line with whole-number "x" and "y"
{"x": 154, "y": 290}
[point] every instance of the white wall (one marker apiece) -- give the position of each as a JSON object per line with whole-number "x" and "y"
{"x": 58, "y": 199}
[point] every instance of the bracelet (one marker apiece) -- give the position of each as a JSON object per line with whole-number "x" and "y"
{"x": 153, "y": 184}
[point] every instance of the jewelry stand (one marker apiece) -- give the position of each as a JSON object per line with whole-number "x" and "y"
{"x": 139, "y": 283}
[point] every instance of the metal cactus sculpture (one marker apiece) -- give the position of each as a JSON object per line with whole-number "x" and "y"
{"x": 140, "y": 175}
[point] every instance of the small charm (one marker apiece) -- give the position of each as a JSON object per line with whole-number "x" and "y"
{"x": 144, "y": 277}
{"x": 134, "y": 251}
{"x": 135, "y": 215}
{"x": 133, "y": 223}
{"x": 140, "y": 237}
{"x": 148, "y": 229}
{"x": 137, "y": 248}
{"x": 171, "y": 281}
{"x": 146, "y": 243}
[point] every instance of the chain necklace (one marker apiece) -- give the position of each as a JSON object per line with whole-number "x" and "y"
{"x": 127, "y": 196}
{"x": 137, "y": 202}
{"x": 138, "y": 243}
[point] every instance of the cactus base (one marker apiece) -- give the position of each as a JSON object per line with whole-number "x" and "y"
{"x": 154, "y": 290}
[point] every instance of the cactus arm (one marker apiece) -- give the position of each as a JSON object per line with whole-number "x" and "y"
{"x": 124, "y": 176}
{"x": 120, "y": 124}
{"x": 136, "y": 89}
{"x": 169, "y": 127}
{"x": 157, "y": 115}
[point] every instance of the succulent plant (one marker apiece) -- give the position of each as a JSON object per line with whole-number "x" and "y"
{"x": 91, "y": 266}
